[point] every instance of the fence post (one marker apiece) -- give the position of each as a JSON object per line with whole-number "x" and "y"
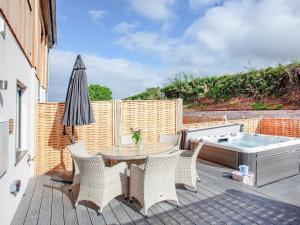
{"x": 179, "y": 112}
{"x": 117, "y": 121}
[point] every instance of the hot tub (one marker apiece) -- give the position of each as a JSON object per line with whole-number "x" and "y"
{"x": 271, "y": 158}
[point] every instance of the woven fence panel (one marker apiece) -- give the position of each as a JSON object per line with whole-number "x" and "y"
{"x": 203, "y": 124}
{"x": 51, "y": 152}
{"x": 153, "y": 117}
{"x": 250, "y": 125}
{"x": 202, "y": 119}
{"x": 280, "y": 127}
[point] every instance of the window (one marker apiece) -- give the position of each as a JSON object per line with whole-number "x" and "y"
{"x": 2, "y": 27}
{"x": 18, "y": 124}
{"x": 18, "y": 117}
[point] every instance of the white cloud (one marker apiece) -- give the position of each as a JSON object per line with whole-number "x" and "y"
{"x": 122, "y": 76}
{"x": 151, "y": 42}
{"x": 97, "y": 15}
{"x": 159, "y": 10}
{"x": 125, "y": 28}
{"x": 226, "y": 37}
{"x": 266, "y": 30}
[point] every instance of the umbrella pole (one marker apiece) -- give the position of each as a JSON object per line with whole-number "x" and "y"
{"x": 61, "y": 179}
{"x": 73, "y": 142}
{"x": 72, "y": 136}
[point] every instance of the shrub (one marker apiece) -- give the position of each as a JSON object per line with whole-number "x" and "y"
{"x": 149, "y": 94}
{"x": 278, "y": 106}
{"x": 262, "y": 106}
{"x": 269, "y": 82}
{"x": 258, "y": 106}
{"x": 99, "y": 93}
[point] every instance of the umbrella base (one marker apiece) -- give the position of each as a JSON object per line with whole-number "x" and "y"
{"x": 62, "y": 180}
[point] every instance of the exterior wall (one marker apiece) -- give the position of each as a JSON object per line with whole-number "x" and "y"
{"x": 19, "y": 13}
{"x": 25, "y": 17}
{"x": 14, "y": 67}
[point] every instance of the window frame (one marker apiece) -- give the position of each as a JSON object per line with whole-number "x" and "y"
{"x": 19, "y": 152}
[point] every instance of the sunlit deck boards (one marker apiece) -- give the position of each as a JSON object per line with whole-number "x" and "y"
{"x": 219, "y": 201}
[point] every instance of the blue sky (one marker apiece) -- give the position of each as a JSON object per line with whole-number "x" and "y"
{"x": 129, "y": 45}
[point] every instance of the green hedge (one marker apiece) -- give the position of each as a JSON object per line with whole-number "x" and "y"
{"x": 269, "y": 82}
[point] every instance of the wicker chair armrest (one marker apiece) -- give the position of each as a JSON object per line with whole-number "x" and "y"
{"x": 186, "y": 154}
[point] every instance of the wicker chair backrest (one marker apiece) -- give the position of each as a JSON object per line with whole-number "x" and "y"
{"x": 160, "y": 172}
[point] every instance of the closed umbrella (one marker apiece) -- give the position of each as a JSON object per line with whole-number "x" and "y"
{"x": 78, "y": 109}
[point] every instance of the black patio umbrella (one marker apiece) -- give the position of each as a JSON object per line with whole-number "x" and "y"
{"x": 78, "y": 109}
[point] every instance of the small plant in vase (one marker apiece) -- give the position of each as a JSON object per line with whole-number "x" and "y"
{"x": 137, "y": 137}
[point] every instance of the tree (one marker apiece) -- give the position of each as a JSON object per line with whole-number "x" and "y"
{"x": 99, "y": 93}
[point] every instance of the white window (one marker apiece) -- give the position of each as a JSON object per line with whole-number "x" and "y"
{"x": 18, "y": 122}
{"x": 18, "y": 117}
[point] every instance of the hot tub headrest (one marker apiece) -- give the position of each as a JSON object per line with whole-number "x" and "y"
{"x": 209, "y": 131}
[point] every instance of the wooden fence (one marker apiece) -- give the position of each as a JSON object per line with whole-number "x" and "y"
{"x": 270, "y": 126}
{"x": 113, "y": 119}
{"x": 281, "y": 127}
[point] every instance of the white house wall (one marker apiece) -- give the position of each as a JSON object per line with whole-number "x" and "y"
{"x": 14, "y": 67}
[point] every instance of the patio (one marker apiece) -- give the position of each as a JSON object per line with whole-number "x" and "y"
{"x": 219, "y": 201}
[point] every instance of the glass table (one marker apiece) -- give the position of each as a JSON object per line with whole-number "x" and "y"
{"x": 130, "y": 152}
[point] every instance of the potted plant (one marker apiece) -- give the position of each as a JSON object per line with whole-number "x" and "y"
{"x": 137, "y": 137}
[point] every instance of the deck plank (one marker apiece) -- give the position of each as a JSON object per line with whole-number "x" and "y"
{"x": 70, "y": 217}
{"x": 109, "y": 216}
{"x": 214, "y": 216}
{"x": 96, "y": 219}
{"x": 81, "y": 210}
{"x": 152, "y": 218}
{"x": 261, "y": 206}
{"x": 21, "y": 213}
{"x": 135, "y": 216}
{"x": 186, "y": 212}
{"x": 173, "y": 212}
{"x": 200, "y": 215}
{"x": 57, "y": 204}
{"x": 35, "y": 204}
{"x": 46, "y": 205}
{"x": 120, "y": 213}
{"x": 219, "y": 200}
{"x": 164, "y": 217}
{"x": 247, "y": 215}
{"x": 222, "y": 212}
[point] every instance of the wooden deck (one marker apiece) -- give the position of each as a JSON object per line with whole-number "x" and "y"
{"x": 219, "y": 201}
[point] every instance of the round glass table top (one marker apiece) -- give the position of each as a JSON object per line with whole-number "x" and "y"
{"x": 130, "y": 152}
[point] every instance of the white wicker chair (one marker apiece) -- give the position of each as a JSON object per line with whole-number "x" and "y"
{"x": 80, "y": 149}
{"x": 170, "y": 139}
{"x": 186, "y": 171}
{"x": 126, "y": 140}
{"x": 100, "y": 184}
{"x": 155, "y": 180}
